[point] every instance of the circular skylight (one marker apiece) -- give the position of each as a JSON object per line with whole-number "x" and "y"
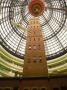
{"x": 53, "y": 23}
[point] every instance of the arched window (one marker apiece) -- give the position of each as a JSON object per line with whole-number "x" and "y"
{"x": 43, "y": 88}
{"x": 34, "y": 88}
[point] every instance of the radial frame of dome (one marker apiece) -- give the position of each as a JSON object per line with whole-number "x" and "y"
{"x": 11, "y": 37}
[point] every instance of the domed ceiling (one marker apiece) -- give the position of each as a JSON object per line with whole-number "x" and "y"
{"x": 53, "y": 23}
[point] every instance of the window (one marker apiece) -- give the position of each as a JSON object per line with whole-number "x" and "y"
{"x": 56, "y": 88}
{"x": 63, "y": 88}
{"x": 7, "y": 88}
{"x": 15, "y": 88}
{"x": 34, "y": 26}
{"x": 34, "y": 89}
{"x": 43, "y": 89}
{"x": 1, "y": 88}
{"x": 26, "y": 89}
{"x": 34, "y": 47}
{"x": 34, "y": 59}
{"x": 40, "y": 59}
{"x": 39, "y": 47}
{"x": 34, "y": 38}
{"x": 37, "y": 26}
{"x": 29, "y": 47}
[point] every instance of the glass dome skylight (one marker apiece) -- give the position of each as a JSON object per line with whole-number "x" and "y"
{"x": 53, "y": 24}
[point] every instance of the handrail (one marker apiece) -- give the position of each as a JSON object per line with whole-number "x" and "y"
{"x": 9, "y": 57}
{"x": 54, "y": 66}
{"x": 9, "y": 66}
{"x": 50, "y": 63}
{"x": 56, "y": 62}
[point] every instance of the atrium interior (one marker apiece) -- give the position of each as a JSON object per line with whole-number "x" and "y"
{"x": 14, "y": 20}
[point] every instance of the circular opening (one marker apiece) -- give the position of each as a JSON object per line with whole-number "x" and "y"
{"x": 36, "y": 8}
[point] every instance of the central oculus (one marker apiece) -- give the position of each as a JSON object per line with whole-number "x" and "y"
{"x": 36, "y": 7}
